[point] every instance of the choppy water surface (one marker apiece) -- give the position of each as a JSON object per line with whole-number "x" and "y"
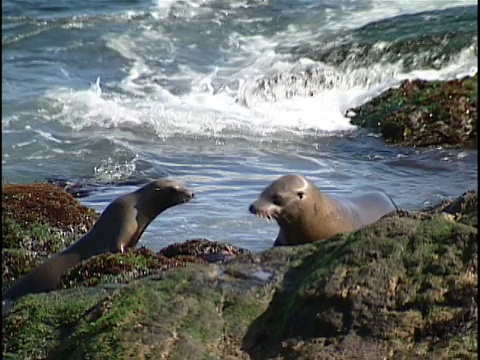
{"x": 225, "y": 96}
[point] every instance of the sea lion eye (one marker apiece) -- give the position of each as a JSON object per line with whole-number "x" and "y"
{"x": 300, "y": 194}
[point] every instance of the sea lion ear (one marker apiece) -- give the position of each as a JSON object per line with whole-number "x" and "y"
{"x": 300, "y": 194}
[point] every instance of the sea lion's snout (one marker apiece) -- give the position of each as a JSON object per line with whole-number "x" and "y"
{"x": 263, "y": 209}
{"x": 187, "y": 195}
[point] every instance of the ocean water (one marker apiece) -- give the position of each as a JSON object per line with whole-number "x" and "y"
{"x": 225, "y": 96}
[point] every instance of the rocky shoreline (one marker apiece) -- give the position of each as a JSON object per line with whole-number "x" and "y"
{"x": 403, "y": 287}
{"x": 423, "y": 113}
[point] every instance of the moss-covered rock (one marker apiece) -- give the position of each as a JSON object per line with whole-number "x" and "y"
{"x": 137, "y": 263}
{"x": 44, "y": 320}
{"x": 424, "y": 113}
{"x": 404, "y": 287}
{"x": 401, "y": 288}
{"x": 118, "y": 268}
{"x": 15, "y": 263}
{"x": 42, "y": 203}
{"x": 445, "y": 33}
{"x": 38, "y": 221}
{"x": 462, "y": 209}
{"x": 212, "y": 251}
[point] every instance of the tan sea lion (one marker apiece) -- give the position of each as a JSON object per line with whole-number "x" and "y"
{"x": 305, "y": 214}
{"x": 119, "y": 227}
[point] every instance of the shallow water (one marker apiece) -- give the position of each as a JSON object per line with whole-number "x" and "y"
{"x": 215, "y": 94}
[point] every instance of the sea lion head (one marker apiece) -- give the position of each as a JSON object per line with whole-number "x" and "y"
{"x": 165, "y": 193}
{"x": 286, "y": 200}
{"x": 293, "y": 202}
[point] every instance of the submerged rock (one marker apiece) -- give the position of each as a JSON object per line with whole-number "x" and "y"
{"x": 424, "y": 113}
{"x": 302, "y": 81}
{"x": 404, "y": 287}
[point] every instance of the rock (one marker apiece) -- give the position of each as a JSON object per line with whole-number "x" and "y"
{"x": 118, "y": 268}
{"x": 375, "y": 43}
{"x": 211, "y": 251}
{"x": 463, "y": 209}
{"x": 38, "y": 221}
{"x": 424, "y": 113}
{"x": 404, "y": 287}
{"x": 303, "y": 81}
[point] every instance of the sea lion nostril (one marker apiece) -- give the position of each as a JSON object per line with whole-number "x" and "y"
{"x": 252, "y": 209}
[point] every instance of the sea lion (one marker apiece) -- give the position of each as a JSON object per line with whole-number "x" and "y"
{"x": 119, "y": 227}
{"x": 305, "y": 214}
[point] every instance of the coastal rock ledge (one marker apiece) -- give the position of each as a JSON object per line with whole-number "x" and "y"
{"x": 402, "y": 288}
{"x": 421, "y": 113}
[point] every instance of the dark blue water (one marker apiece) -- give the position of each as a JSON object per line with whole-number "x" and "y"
{"x": 226, "y": 97}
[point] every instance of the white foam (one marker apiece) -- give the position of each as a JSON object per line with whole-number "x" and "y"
{"x": 111, "y": 170}
{"x": 203, "y": 109}
{"x": 464, "y": 64}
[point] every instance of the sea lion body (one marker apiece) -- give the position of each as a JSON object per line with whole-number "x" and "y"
{"x": 305, "y": 214}
{"x": 120, "y": 226}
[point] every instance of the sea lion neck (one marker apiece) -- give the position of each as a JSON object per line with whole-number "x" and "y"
{"x": 149, "y": 206}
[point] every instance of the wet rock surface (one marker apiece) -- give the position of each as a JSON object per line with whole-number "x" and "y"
{"x": 424, "y": 113}
{"x": 365, "y": 47}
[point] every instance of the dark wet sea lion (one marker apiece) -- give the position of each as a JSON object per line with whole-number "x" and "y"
{"x": 119, "y": 227}
{"x": 305, "y": 214}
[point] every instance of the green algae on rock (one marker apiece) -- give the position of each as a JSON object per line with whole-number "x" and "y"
{"x": 404, "y": 287}
{"x": 463, "y": 209}
{"x": 15, "y": 263}
{"x": 424, "y": 113}
{"x": 386, "y": 293}
{"x": 44, "y": 320}
{"x": 360, "y": 48}
{"x": 38, "y": 221}
{"x": 118, "y": 268}
{"x": 137, "y": 263}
